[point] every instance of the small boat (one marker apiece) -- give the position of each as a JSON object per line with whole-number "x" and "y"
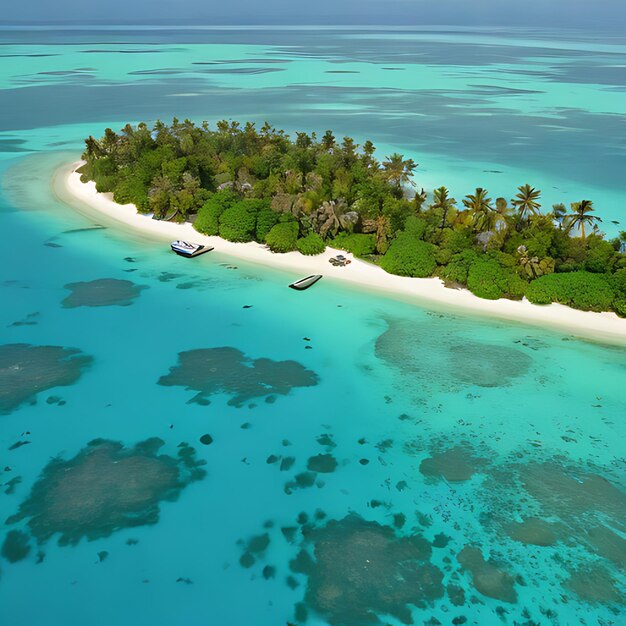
{"x": 305, "y": 283}
{"x": 186, "y": 249}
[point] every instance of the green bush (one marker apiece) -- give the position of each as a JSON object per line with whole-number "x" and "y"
{"x": 208, "y": 219}
{"x": 456, "y": 240}
{"x": 408, "y": 256}
{"x": 265, "y": 220}
{"x": 415, "y": 226}
{"x": 106, "y": 184}
{"x": 601, "y": 255}
{"x": 358, "y": 243}
{"x": 132, "y": 190}
{"x": 238, "y": 222}
{"x": 619, "y": 305}
{"x": 488, "y": 279}
{"x": 283, "y": 237}
{"x": 618, "y": 281}
{"x": 581, "y": 290}
{"x": 311, "y": 244}
{"x": 457, "y": 269}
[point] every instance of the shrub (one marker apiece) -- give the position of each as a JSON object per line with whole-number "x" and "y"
{"x": 238, "y": 222}
{"x": 408, "y": 256}
{"x": 311, "y": 244}
{"x": 581, "y": 290}
{"x": 106, "y": 184}
{"x": 619, "y": 305}
{"x": 265, "y": 220}
{"x": 601, "y": 256}
{"x": 282, "y": 237}
{"x": 358, "y": 243}
{"x": 456, "y": 240}
{"x": 208, "y": 219}
{"x": 415, "y": 226}
{"x": 618, "y": 281}
{"x": 132, "y": 190}
{"x": 488, "y": 279}
{"x": 457, "y": 269}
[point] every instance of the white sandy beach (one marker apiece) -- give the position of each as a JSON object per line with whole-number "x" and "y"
{"x": 598, "y": 326}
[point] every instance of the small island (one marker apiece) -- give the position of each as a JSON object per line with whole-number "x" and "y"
{"x": 305, "y": 193}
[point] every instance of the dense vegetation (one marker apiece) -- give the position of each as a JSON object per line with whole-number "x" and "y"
{"x": 302, "y": 193}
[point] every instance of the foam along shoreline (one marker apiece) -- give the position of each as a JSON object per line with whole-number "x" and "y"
{"x": 604, "y": 327}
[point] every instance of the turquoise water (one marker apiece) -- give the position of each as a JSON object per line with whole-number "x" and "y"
{"x": 433, "y": 467}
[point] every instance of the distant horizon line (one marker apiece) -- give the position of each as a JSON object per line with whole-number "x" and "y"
{"x": 169, "y": 24}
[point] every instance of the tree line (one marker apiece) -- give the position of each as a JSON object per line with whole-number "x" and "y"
{"x": 307, "y": 191}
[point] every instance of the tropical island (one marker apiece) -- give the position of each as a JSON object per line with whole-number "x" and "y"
{"x": 246, "y": 184}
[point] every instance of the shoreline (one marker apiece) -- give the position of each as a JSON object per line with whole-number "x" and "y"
{"x": 605, "y": 327}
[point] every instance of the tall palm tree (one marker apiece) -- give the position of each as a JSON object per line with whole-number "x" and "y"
{"x": 328, "y": 141}
{"x": 368, "y": 154}
{"x": 480, "y": 208}
{"x": 398, "y": 170}
{"x": 581, "y": 216}
{"x": 526, "y": 201}
{"x": 558, "y": 213}
{"x": 502, "y": 215}
{"x": 443, "y": 202}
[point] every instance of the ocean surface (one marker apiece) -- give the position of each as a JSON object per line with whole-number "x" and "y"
{"x": 190, "y": 442}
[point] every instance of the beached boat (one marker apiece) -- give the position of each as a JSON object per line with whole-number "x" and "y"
{"x": 186, "y": 249}
{"x": 305, "y": 283}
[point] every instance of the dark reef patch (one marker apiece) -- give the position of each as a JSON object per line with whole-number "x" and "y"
{"x": 16, "y": 546}
{"x": 102, "y": 292}
{"x": 533, "y": 531}
{"x": 487, "y": 576}
{"x": 594, "y": 584}
{"x": 25, "y": 370}
{"x": 486, "y": 365}
{"x": 608, "y": 544}
{"x": 572, "y": 504}
{"x": 228, "y": 370}
{"x": 254, "y": 547}
{"x": 456, "y": 464}
{"x": 104, "y": 488}
{"x": 571, "y": 493}
{"x": 323, "y": 463}
{"x": 29, "y": 320}
{"x": 427, "y": 359}
{"x": 12, "y": 484}
{"x": 363, "y": 571}
{"x": 303, "y": 480}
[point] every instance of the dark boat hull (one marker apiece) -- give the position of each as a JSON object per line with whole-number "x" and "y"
{"x": 305, "y": 283}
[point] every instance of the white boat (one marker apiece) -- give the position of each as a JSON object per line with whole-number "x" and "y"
{"x": 186, "y": 249}
{"x": 305, "y": 283}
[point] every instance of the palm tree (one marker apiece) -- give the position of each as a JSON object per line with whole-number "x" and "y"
{"x": 502, "y": 207}
{"x": 399, "y": 170}
{"x": 368, "y": 154}
{"x": 480, "y": 207}
{"x": 502, "y": 213}
{"x": 328, "y": 141}
{"x": 526, "y": 201}
{"x": 581, "y": 216}
{"x": 558, "y": 213}
{"x": 443, "y": 202}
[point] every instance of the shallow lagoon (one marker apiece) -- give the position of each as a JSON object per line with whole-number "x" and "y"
{"x": 500, "y": 498}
